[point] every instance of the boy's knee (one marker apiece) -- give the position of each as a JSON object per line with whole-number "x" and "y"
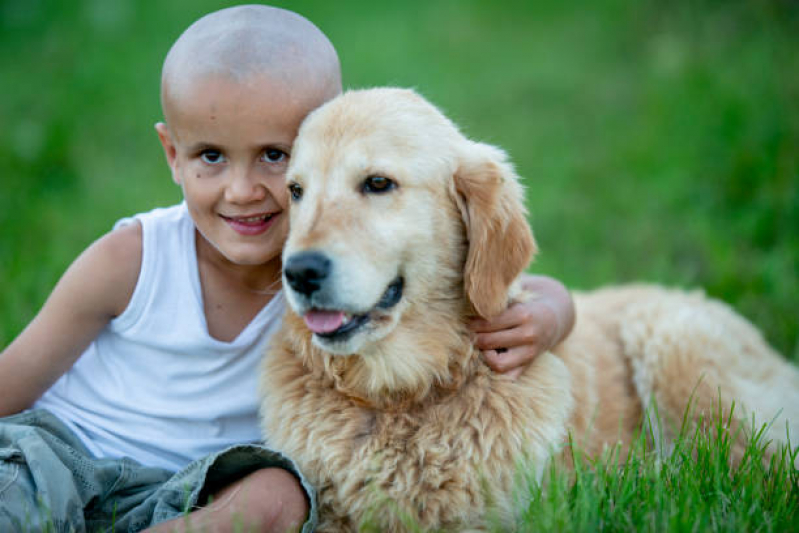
{"x": 280, "y": 497}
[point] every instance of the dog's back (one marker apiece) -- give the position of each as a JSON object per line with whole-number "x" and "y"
{"x": 673, "y": 354}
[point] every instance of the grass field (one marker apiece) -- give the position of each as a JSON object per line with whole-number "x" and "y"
{"x": 691, "y": 488}
{"x": 659, "y": 141}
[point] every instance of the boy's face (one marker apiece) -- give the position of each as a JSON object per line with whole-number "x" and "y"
{"x": 228, "y": 144}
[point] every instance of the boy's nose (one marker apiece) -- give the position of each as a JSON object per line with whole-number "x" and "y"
{"x": 245, "y": 186}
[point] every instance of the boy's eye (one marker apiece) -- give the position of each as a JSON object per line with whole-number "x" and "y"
{"x": 273, "y": 155}
{"x": 212, "y": 157}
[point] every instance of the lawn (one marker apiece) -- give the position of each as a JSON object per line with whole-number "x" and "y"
{"x": 659, "y": 141}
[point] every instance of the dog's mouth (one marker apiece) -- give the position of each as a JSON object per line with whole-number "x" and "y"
{"x": 331, "y": 324}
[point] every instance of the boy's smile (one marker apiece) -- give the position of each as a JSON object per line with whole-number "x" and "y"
{"x": 251, "y": 225}
{"x": 228, "y": 143}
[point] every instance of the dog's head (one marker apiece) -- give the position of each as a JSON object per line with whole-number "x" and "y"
{"x": 394, "y": 212}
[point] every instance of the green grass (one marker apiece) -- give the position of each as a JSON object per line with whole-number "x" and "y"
{"x": 659, "y": 141}
{"x": 693, "y": 488}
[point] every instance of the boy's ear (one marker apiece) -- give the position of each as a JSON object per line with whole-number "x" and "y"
{"x": 501, "y": 245}
{"x": 169, "y": 148}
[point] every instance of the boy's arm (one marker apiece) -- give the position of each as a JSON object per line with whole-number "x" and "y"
{"x": 94, "y": 289}
{"x": 514, "y": 338}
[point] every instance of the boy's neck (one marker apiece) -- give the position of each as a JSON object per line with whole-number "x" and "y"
{"x": 257, "y": 278}
{"x": 233, "y": 294}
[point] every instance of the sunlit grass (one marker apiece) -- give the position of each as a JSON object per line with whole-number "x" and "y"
{"x": 695, "y": 485}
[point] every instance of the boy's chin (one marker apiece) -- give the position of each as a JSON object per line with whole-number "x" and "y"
{"x": 250, "y": 255}
{"x": 253, "y": 259}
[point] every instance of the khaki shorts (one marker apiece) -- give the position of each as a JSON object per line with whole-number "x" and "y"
{"x": 49, "y": 481}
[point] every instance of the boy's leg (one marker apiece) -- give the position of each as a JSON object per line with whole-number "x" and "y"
{"x": 19, "y": 508}
{"x": 37, "y": 488}
{"x": 246, "y": 487}
{"x": 49, "y": 481}
{"x": 267, "y": 500}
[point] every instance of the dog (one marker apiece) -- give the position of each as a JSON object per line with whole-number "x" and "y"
{"x": 401, "y": 229}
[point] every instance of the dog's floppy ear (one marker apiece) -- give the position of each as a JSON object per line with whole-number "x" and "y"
{"x": 501, "y": 245}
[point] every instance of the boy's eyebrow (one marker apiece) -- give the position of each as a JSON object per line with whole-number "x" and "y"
{"x": 202, "y": 145}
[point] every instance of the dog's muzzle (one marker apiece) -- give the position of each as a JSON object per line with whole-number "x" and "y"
{"x": 306, "y": 274}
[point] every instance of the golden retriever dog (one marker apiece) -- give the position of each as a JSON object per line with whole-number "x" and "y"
{"x": 401, "y": 229}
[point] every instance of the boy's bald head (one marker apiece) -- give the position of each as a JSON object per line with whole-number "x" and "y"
{"x": 248, "y": 41}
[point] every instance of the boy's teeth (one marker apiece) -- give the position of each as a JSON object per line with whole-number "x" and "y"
{"x": 253, "y": 219}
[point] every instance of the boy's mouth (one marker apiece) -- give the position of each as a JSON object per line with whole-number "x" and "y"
{"x": 251, "y": 225}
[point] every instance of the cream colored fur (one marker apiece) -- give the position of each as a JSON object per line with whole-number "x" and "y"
{"x": 404, "y": 419}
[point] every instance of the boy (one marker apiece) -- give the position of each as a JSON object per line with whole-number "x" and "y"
{"x": 141, "y": 365}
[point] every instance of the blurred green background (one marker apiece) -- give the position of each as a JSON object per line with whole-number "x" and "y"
{"x": 659, "y": 140}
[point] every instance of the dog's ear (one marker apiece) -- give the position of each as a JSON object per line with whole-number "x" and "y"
{"x": 501, "y": 245}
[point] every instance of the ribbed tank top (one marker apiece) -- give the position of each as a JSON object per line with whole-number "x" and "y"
{"x": 154, "y": 385}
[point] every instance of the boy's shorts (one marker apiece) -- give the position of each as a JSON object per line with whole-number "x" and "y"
{"x": 50, "y": 481}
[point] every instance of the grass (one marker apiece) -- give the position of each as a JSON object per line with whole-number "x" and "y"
{"x": 658, "y": 142}
{"x": 693, "y": 487}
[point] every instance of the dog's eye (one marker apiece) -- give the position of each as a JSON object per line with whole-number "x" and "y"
{"x": 295, "y": 191}
{"x": 377, "y": 184}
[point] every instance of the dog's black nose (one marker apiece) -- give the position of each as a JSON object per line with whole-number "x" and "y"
{"x": 306, "y": 271}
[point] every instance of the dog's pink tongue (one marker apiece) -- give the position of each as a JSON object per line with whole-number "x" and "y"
{"x": 324, "y": 321}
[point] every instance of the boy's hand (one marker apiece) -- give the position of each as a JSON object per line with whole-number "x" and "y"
{"x": 513, "y": 339}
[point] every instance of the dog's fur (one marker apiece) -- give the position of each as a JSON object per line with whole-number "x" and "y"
{"x": 403, "y": 417}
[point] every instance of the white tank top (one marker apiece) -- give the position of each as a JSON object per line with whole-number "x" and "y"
{"x": 154, "y": 385}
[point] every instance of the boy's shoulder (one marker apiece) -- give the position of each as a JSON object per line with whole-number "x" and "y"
{"x": 148, "y": 241}
{"x": 98, "y": 285}
{"x": 119, "y": 251}
{"x": 162, "y": 228}
{"x": 124, "y": 242}
{"x": 170, "y": 216}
